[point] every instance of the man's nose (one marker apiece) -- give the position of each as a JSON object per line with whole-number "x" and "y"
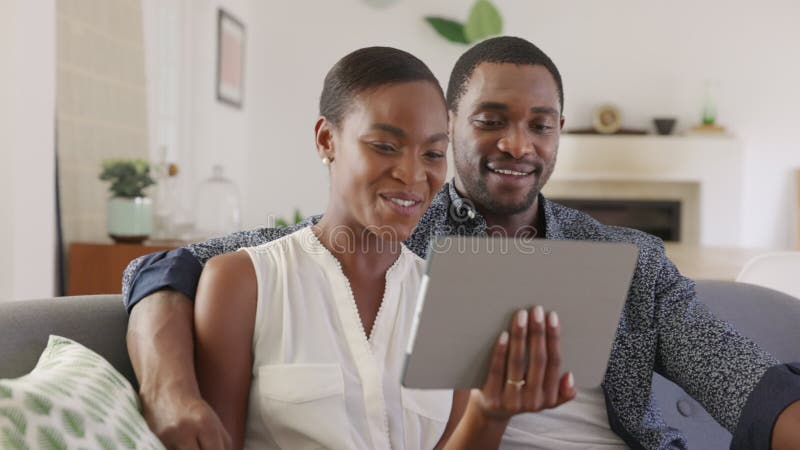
{"x": 516, "y": 142}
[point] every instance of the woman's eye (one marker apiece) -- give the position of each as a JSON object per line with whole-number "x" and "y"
{"x": 386, "y": 148}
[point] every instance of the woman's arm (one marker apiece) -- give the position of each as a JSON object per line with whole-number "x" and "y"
{"x": 224, "y": 317}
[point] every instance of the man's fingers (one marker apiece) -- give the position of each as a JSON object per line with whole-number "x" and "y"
{"x": 537, "y": 348}
{"x": 210, "y": 438}
{"x": 515, "y": 370}
{"x": 550, "y": 384}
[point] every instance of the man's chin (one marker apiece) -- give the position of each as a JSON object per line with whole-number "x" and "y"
{"x": 500, "y": 204}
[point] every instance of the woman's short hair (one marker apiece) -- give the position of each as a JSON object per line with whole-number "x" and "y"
{"x": 368, "y": 68}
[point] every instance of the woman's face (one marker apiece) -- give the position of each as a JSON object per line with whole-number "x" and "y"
{"x": 388, "y": 157}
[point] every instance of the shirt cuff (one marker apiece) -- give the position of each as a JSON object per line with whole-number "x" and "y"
{"x": 778, "y": 388}
{"x": 177, "y": 269}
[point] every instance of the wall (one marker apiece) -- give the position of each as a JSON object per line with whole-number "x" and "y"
{"x": 101, "y": 105}
{"x": 27, "y": 108}
{"x": 649, "y": 58}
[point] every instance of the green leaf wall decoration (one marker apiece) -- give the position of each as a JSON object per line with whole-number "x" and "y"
{"x": 449, "y": 29}
{"x": 484, "y": 20}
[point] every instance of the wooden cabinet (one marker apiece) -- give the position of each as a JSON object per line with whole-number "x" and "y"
{"x": 96, "y": 268}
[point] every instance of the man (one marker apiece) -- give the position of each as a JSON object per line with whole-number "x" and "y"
{"x": 505, "y": 99}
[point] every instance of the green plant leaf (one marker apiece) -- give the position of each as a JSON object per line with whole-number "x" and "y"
{"x": 11, "y": 440}
{"x": 17, "y": 418}
{"x": 74, "y": 423}
{"x": 105, "y": 443}
{"x": 484, "y": 21}
{"x": 38, "y": 403}
{"x": 125, "y": 439}
{"x": 449, "y": 29}
{"x": 51, "y": 439}
{"x": 298, "y": 217}
{"x": 5, "y": 391}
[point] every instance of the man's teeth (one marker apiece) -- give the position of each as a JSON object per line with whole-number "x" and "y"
{"x": 401, "y": 202}
{"x": 509, "y": 172}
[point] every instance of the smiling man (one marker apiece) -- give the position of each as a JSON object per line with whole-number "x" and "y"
{"x": 505, "y": 99}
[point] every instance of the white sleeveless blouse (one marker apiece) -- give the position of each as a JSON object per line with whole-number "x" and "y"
{"x": 318, "y": 381}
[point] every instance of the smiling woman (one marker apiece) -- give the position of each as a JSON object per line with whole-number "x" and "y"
{"x": 303, "y": 302}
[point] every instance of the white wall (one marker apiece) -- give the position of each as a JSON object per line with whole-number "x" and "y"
{"x": 27, "y": 110}
{"x": 649, "y": 58}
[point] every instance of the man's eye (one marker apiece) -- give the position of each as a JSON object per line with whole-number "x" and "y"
{"x": 541, "y": 127}
{"x": 434, "y": 154}
{"x": 488, "y": 123}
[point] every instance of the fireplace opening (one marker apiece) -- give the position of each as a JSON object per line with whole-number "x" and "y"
{"x": 660, "y": 218}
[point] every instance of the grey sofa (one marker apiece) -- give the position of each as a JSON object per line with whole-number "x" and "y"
{"x": 100, "y": 323}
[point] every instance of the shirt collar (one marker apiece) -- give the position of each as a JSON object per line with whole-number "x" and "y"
{"x": 463, "y": 213}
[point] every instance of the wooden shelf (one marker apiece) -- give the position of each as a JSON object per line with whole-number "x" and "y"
{"x": 96, "y": 268}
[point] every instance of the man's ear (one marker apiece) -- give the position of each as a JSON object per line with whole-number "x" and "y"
{"x": 451, "y": 120}
{"x": 323, "y": 138}
{"x": 563, "y": 121}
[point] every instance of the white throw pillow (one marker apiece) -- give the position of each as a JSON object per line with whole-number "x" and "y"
{"x": 73, "y": 399}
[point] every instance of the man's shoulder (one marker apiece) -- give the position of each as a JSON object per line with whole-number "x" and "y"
{"x": 574, "y": 224}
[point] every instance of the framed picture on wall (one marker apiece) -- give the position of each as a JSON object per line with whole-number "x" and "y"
{"x": 230, "y": 59}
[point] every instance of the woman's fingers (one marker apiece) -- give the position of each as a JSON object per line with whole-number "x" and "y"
{"x": 495, "y": 382}
{"x": 550, "y": 384}
{"x": 515, "y": 370}
{"x": 537, "y": 346}
{"x": 567, "y": 389}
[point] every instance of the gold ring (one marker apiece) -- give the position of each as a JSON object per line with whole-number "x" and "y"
{"x": 516, "y": 383}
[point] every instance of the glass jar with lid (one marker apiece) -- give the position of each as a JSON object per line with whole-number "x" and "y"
{"x": 217, "y": 206}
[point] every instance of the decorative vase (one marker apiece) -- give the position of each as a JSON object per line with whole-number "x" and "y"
{"x": 130, "y": 220}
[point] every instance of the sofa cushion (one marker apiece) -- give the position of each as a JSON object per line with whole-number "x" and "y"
{"x": 73, "y": 398}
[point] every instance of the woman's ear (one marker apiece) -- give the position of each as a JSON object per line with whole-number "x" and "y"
{"x": 323, "y": 138}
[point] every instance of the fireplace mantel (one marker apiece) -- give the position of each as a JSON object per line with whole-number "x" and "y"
{"x": 605, "y": 166}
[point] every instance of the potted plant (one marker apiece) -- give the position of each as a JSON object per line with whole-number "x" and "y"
{"x": 130, "y": 212}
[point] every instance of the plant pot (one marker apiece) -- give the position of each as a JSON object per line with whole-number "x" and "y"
{"x": 130, "y": 220}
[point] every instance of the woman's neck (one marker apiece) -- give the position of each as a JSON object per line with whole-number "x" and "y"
{"x": 359, "y": 251}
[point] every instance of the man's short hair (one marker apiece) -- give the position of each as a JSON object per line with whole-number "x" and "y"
{"x": 503, "y": 49}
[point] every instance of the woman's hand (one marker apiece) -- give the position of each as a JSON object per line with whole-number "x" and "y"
{"x": 524, "y": 376}
{"x": 525, "y": 369}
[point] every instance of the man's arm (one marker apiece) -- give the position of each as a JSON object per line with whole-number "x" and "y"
{"x": 161, "y": 349}
{"x": 158, "y": 291}
{"x": 743, "y": 387}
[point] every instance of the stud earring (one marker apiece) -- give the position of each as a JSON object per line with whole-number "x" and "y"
{"x": 326, "y": 161}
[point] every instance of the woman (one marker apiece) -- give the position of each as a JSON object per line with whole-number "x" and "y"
{"x": 300, "y": 342}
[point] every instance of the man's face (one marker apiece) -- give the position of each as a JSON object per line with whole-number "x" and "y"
{"x": 505, "y": 136}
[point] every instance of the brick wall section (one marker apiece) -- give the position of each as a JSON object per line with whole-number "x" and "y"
{"x": 100, "y": 104}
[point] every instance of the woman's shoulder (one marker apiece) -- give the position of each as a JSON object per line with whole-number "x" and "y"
{"x": 297, "y": 238}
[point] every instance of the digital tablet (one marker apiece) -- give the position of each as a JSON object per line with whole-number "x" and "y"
{"x": 474, "y": 285}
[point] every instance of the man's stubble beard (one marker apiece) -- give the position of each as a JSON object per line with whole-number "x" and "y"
{"x": 478, "y": 192}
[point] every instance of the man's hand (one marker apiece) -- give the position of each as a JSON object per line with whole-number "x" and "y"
{"x": 161, "y": 348}
{"x": 186, "y": 422}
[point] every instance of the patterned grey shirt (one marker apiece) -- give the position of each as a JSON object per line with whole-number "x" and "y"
{"x": 663, "y": 327}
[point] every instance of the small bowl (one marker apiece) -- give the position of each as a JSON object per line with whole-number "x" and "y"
{"x": 664, "y": 125}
